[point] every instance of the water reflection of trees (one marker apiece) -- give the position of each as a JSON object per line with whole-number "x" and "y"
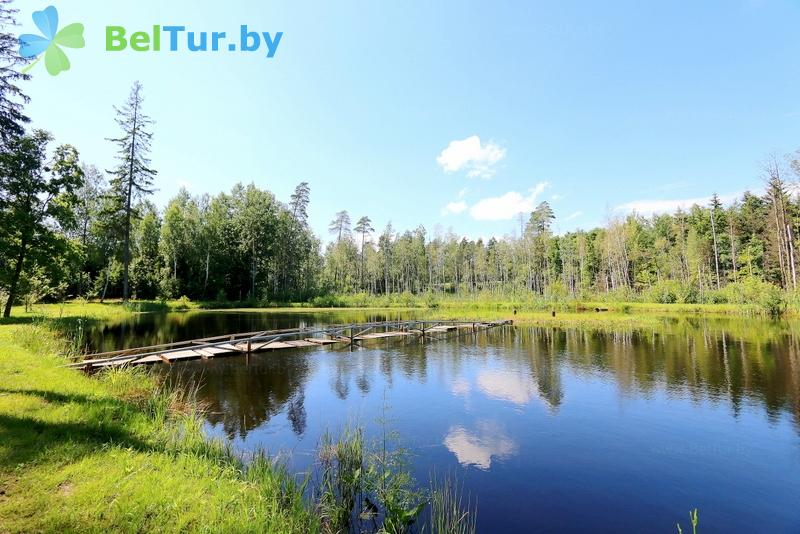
{"x": 704, "y": 359}
{"x": 735, "y": 361}
{"x": 241, "y": 396}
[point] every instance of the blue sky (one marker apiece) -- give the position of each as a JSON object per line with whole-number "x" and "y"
{"x": 446, "y": 114}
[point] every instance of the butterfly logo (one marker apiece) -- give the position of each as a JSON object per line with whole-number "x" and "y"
{"x": 51, "y": 41}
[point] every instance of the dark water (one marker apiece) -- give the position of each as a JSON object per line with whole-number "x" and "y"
{"x": 552, "y": 430}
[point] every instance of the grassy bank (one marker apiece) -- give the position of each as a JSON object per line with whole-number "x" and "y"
{"x": 116, "y": 452}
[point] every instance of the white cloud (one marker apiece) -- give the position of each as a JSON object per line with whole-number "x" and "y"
{"x": 573, "y": 216}
{"x": 470, "y": 154}
{"x": 556, "y": 196}
{"x": 650, "y": 207}
{"x": 463, "y": 192}
{"x": 503, "y": 208}
{"x": 454, "y": 207}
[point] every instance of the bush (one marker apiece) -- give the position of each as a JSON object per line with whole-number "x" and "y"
{"x": 772, "y": 301}
{"x": 184, "y": 303}
{"x": 168, "y": 287}
{"x": 664, "y": 292}
{"x": 430, "y": 300}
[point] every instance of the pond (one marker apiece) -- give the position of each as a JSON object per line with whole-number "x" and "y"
{"x": 549, "y": 429}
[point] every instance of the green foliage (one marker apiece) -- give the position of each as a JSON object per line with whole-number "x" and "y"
{"x": 670, "y": 292}
{"x": 37, "y": 196}
{"x": 772, "y": 301}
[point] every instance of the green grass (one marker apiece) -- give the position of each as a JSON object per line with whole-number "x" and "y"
{"x": 117, "y": 452}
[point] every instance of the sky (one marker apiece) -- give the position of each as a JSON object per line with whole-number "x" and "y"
{"x": 454, "y": 115}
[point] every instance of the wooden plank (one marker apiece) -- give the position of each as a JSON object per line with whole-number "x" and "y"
{"x": 443, "y": 328}
{"x": 113, "y": 363}
{"x": 211, "y": 352}
{"x": 380, "y": 335}
{"x": 155, "y": 358}
{"x": 261, "y": 345}
{"x": 275, "y": 345}
{"x": 320, "y": 341}
{"x": 190, "y": 354}
{"x": 300, "y": 343}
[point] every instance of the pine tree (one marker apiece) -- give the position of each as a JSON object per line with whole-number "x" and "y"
{"x": 340, "y": 225}
{"x": 298, "y": 204}
{"x": 133, "y": 177}
{"x": 363, "y": 227}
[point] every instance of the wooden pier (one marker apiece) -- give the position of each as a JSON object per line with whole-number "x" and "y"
{"x": 292, "y": 338}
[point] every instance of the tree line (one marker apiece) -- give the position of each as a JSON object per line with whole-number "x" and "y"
{"x": 707, "y": 253}
{"x": 68, "y": 229}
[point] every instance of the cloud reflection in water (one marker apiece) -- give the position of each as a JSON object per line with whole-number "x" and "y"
{"x": 480, "y": 446}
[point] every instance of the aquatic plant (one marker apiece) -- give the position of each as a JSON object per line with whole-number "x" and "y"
{"x": 450, "y": 512}
{"x": 341, "y": 464}
{"x": 366, "y": 488}
{"x": 693, "y": 520}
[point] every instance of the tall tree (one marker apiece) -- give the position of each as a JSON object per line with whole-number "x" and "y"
{"x": 89, "y": 200}
{"x": 133, "y": 177}
{"x": 340, "y": 225}
{"x": 716, "y": 206}
{"x": 12, "y": 118}
{"x": 87, "y": 210}
{"x": 37, "y": 204}
{"x": 777, "y": 198}
{"x": 363, "y": 227}
{"x": 298, "y": 203}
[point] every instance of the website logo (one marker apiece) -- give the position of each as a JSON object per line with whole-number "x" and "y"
{"x": 50, "y": 42}
{"x": 177, "y": 38}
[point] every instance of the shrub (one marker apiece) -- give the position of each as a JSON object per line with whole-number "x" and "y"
{"x": 184, "y": 303}
{"x": 664, "y": 292}
{"x": 772, "y": 301}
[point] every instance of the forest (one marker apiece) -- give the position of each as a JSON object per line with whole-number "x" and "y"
{"x": 71, "y": 230}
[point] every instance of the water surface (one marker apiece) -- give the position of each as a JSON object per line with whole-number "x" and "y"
{"x": 550, "y": 429}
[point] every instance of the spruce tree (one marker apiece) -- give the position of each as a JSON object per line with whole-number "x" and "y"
{"x": 133, "y": 177}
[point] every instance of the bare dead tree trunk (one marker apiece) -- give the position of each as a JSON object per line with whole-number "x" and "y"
{"x": 716, "y": 253}
{"x": 790, "y": 245}
{"x": 733, "y": 247}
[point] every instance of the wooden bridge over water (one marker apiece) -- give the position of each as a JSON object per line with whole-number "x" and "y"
{"x": 270, "y": 340}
